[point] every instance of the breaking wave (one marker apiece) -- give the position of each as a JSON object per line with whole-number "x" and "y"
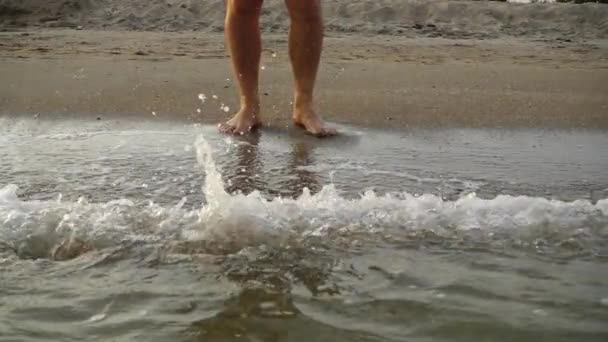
{"x": 60, "y": 229}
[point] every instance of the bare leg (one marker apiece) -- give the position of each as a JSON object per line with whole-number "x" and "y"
{"x": 243, "y": 39}
{"x": 305, "y": 45}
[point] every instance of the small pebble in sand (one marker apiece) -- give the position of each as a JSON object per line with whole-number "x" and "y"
{"x": 154, "y": 113}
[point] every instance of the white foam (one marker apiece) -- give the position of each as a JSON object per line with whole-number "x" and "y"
{"x": 238, "y": 216}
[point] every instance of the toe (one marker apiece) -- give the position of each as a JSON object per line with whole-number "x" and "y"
{"x": 226, "y": 128}
{"x": 325, "y": 133}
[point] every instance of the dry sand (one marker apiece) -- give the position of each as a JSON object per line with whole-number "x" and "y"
{"x": 434, "y": 18}
{"x": 540, "y": 72}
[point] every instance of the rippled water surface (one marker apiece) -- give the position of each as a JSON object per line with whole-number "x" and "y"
{"x": 148, "y": 231}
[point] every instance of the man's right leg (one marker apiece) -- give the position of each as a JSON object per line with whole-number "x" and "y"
{"x": 244, "y": 42}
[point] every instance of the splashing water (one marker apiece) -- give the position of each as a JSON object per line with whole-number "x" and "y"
{"x": 224, "y": 108}
{"x": 36, "y": 228}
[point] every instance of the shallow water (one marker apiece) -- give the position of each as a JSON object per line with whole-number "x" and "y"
{"x": 116, "y": 230}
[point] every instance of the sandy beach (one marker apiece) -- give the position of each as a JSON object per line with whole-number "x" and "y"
{"x": 385, "y": 64}
{"x": 383, "y": 81}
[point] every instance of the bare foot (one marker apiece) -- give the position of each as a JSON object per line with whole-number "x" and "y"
{"x": 309, "y": 120}
{"x": 243, "y": 122}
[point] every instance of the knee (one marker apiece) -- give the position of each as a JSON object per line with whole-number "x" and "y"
{"x": 308, "y": 10}
{"x": 244, "y": 7}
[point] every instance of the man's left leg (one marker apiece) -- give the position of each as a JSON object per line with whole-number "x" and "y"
{"x": 305, "y": 46}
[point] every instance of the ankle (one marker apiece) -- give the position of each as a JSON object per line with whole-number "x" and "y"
{"x": 303, "y": 103}
{"x": 250, "y": 106}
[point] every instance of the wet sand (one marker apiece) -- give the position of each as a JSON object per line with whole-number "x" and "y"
{"x": 376, "y": 81}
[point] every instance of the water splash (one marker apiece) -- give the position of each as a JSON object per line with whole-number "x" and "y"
{"x": 40, "y": 228}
